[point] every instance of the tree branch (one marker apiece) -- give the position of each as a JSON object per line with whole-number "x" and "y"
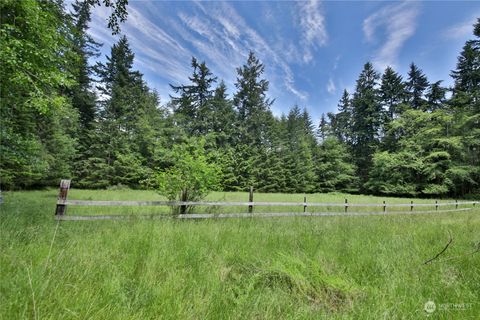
{"x": 441, "y": 252}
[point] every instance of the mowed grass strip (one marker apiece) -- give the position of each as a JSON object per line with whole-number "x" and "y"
{"x": 277, "y": 268}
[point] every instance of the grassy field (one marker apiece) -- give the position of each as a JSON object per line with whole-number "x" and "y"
{"x": 368, "y": 267}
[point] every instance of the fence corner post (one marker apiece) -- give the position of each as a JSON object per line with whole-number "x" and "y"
{"x": 62, "y": 197}
{"x": 250, "y": 200}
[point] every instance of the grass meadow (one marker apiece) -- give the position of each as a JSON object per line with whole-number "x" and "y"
{"x": 360, "y": 267}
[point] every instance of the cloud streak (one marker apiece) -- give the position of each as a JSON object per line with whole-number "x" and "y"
{"x": 331, "y": 88}
{"x": 313, "y": 27}
{"x": 398, "y": 21}
{"x": 461, "y": 30}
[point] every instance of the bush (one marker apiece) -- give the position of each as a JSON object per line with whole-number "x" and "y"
{"x": 191, "y": 177}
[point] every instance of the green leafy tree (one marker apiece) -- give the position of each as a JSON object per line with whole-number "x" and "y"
{"x": 191, "y": 177}
{"x": 37, "y": 122}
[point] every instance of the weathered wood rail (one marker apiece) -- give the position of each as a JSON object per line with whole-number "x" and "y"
{"x": 62, "y": 204}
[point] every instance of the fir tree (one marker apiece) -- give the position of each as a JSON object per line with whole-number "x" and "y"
{"x": 392, "y": 92}
{"x": 83, "y": 98}
{"x": 416, "y": 85}
{"x": 193, "y": 106}
{"x": 367, "y": 119}
{"x": 341, "y": 123}
{"x": 251, "y": 102}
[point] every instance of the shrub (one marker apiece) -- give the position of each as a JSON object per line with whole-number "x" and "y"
{"x": 191, "y": 177}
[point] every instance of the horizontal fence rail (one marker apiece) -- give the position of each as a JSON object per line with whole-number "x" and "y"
{"x": 255, "y": 204}
{"x": 62, "y": 204}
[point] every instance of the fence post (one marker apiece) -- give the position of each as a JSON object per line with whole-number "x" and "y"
{"x": 304, "y": 204}
{"x": 250, "y": 199}
{"x": 62, "y": 197}
{"x": 456, "y": 204}
{"x": 411, "y": 205}
{"x": 436, "y": 205}
{"x": 346, "y": 205}
{"x": 384, "y": 206}
{"x": 183, "y": 198}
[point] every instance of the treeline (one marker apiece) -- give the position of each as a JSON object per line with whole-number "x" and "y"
{"x": 101, "y": 124}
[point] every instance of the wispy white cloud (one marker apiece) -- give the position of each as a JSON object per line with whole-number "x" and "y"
{"x": 331, "y": 88}
{"x": 212, "y": 31}
{"x": 229, "y": 39}
{"x": 461, "y": 30}
{"x": 156, "y": 51}
{"x": 312, "y": 23}
{"x": 399, "y": 23}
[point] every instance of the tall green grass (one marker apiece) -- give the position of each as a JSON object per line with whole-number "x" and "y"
{"x": 278, "y": 268}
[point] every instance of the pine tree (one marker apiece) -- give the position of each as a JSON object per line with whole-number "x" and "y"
{"x": 367, "y": 119}
{"x": 436, "y": 96}
{"x": 341, "y": 122}
{"x": 333, "y": 167}
{"x": 300, "y": 176}
{"x": 392, "y": 92}
{"x": 466, "y": 93}
{"x": 193, "y": 106}
{"x": 222, "y": 117}
{"x": 129, "y": 125}
{"x": 83, "y": 98}
{"x": 323, "y": 128}
{"x": 251, "y": 102}
{"x": 416, "y": 85}
{"x": 465, "y": 103}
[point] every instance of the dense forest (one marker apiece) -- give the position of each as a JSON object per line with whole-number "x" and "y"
{"x": 101, "y": 125}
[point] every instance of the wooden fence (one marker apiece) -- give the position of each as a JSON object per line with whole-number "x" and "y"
{"x": 63, "y": 202}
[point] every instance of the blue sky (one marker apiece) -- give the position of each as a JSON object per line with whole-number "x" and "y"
{"x": 312, "y": 50}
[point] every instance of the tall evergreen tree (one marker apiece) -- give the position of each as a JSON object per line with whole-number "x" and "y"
{"x": 367, "y": 119}
{"x": 323, "y": 128}
{"x": 436, "y": 96}
{"x": 251, "y": 102}
{"x": 128, "y": 129}
{"x": 221, "y": 118}
{"x": 341, "y": 123}
{"x": 83, "y": 98}
{"x": 334, "y": 168}
{"x": 392, "y": 92}
{"x": 416, "y": 85}
{"x": 299, "y": 160}
{"x": 193, "y": 105}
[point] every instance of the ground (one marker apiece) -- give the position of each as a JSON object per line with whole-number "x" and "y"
{"x": 266, "y": 268}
